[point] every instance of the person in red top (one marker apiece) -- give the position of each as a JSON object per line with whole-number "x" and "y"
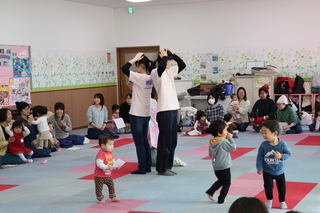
{"x": 256, "y": 121}
{"x": 103, "y": 168}
{"x": 19, "y": 131}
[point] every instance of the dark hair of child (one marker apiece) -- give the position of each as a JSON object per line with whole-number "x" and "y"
{"x": 200, "y": 114}
{"x": 104, "y": 138}
{"x": 227, "y": 117}
{"x": 216, "y": 127}
{"x": 232, "y": 95}
{"x": 100, "y": 96}
{"x": 272, "y": 125}
{"x": 252, "y": 115}
{"x": 59, "y": 105}
{"x": 39, "y": 111}
{"x": 17, "y": 124}
{"x": 129, "y": 95}
{"x": 115, "y": 107}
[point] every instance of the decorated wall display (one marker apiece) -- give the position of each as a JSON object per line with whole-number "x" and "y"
{"x": 63, "y": 70}
{"x": 15, "y": 74}
{"x": 220, "y": 65}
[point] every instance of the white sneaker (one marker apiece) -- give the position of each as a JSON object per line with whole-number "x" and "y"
{"x": 283, "y": 205}
{"x": 269, "y": 204}
{"x": 86, "y": 140}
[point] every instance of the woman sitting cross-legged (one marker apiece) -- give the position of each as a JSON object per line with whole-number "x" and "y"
{"x": 62, "y": 127}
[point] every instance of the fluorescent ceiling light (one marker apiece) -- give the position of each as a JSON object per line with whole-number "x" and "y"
{"x": 138, "y": 0}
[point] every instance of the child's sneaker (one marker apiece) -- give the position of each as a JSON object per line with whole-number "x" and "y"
{"x": 269, "y": 204}
{"x": 283, "y": 205}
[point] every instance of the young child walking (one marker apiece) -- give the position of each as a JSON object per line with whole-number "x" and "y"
{"x": 41, "y": 120}
{"x": 19, "y": 131}
{"x": 272, "y": 154}
{"x": 219, "y": 150}
{"x": 115, "y": 115}
{"x": 103, "y": 168}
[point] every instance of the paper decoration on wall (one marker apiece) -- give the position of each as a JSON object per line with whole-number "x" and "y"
{"x": 15, "y": 72}
{"x": 209, "y": 67}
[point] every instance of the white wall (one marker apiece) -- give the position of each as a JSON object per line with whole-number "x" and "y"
{"x": 284, "y": 33}
{"x": 57, "y": 25}
{"x": 221, "y": 24}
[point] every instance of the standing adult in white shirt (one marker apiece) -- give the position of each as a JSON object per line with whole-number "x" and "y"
{"x": 140, "y": 108}
{"x": 168, "y": 105}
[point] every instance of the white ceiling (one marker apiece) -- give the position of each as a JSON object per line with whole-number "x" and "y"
{"x": 124, "y": 3}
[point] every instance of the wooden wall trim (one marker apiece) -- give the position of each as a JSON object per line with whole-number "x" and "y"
{"x": 76, "y": 101}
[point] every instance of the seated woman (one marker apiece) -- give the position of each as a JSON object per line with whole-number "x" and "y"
{"x": 265, "y": 106}
{"x": 214, "y": 111}
{"x": 24, "y": 110}
{"x": 242, "y": 109}
{"x": 97, "y": 116}
{"x": 62, "y": 126}
{"x": 5, "y": 139}
{"x": 285, "y": 113}
{"x": 124, "y": 112}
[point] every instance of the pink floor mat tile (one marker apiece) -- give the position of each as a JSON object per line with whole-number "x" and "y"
{"x": 235, "y": 154}
{"x": 294, "y": 137}
{"x": 203, "y": 150}
{"x": 248, "y": 184}
{"x": 114, "y": 207}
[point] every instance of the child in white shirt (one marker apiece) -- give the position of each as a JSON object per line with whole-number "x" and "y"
{"x": 234, "y": 102}
{"x": 41, "y": 120}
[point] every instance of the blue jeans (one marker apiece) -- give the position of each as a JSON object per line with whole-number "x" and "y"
{"x": 12, "y": 159}
{"x": 295, "y": 129}
{"x": 312, "y": 127}
{"x": 139, "y": 129}
{"x": 94, "y": 133}
{"x": 167, "y": 140}
{"x": 315, "y": 89}
{"x": 241, "y": 127}
{"x": 71, "y": 140}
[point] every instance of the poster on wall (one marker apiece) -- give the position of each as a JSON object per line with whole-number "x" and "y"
{"x": 15, "y": 74}
{"x": 209, "y": 67}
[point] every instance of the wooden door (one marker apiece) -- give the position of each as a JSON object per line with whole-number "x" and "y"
{"x": 124, "y": 54}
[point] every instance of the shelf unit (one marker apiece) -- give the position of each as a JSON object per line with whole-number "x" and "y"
{"x": 313, "y": 99}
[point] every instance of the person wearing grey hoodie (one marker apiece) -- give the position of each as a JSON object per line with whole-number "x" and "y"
{"x": 219, "y": 150}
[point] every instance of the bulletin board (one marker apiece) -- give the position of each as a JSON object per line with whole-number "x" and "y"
{"x": 15, "y": 74}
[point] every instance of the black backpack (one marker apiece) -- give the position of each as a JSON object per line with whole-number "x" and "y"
{"x": 282, "y": 87}
{"x": 298, "y": 85}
